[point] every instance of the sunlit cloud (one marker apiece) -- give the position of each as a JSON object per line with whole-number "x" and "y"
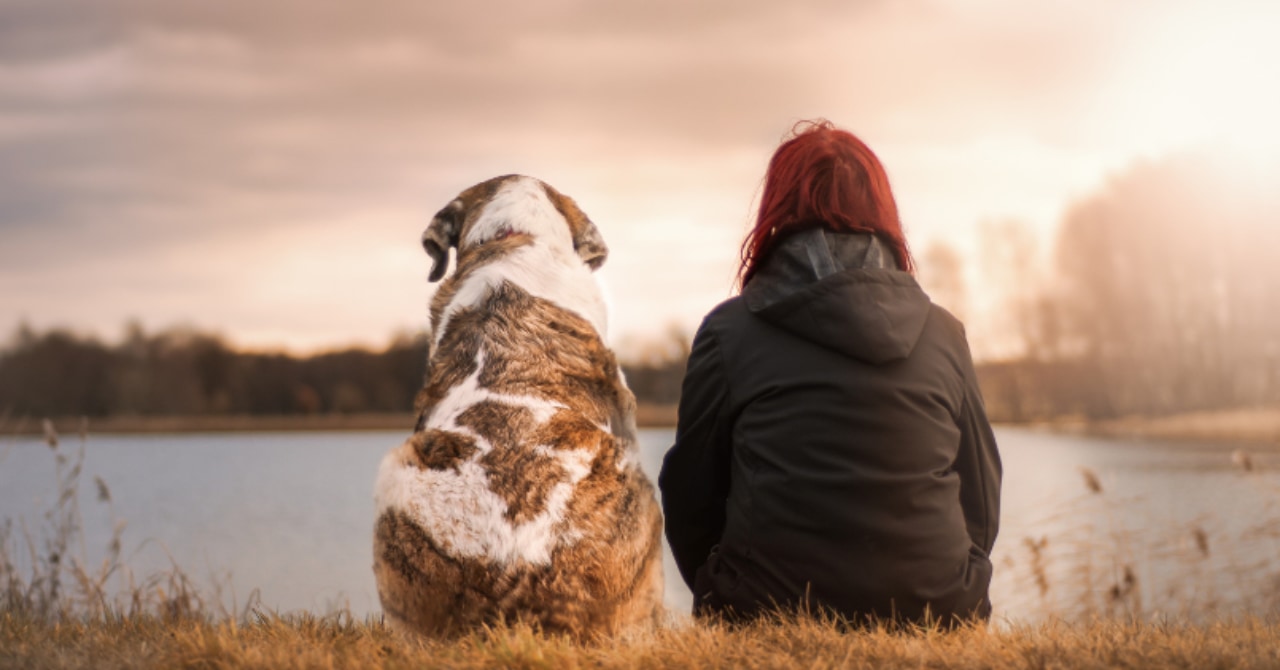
{"x": 265, "y": 169}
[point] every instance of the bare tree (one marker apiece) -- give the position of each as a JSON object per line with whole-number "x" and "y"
{"x": 1169, "y": 276}
{"x": 1012, "y": 268}
{"x": 942, "y": 276}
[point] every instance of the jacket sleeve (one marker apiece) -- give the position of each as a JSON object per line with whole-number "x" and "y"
{"x": 978, "y": 464}
{"x": 695, "y": 472}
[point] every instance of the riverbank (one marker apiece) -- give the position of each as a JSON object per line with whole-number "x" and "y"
{"x": 1258, "y": 426}
{"x": 310, "y": 642}
{"x": 1249, "y": 426}
{"x": 647, "y": 416}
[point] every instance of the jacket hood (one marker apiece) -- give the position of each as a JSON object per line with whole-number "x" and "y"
{"x": 843, "y": 291}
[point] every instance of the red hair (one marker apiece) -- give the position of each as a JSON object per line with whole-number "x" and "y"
{"x": 823, "y": 177}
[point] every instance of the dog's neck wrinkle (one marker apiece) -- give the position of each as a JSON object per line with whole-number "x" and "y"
{"x": 490, "y": 251}
{"x": 541, "y": 271}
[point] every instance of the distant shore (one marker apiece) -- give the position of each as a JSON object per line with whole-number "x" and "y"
{"x": 647, "y": 416}
{"x": 1254, "y": 425}
{"x": 1259, "y": 426}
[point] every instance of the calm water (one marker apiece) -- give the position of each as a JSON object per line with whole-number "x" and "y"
{"x": 291, "y": 514}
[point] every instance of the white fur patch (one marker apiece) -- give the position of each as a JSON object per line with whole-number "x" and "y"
{"x": 468, "y": 393}
{"x": 458, "y": 509}
{"x": 548, "y": 268}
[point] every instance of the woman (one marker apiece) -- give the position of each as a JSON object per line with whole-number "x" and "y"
{"x": 832, "y": 450}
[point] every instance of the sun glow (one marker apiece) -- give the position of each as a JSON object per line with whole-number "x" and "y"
{"x": 1202, "y": 75}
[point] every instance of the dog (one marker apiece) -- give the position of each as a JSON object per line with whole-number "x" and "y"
{"x": 519, "y": 496}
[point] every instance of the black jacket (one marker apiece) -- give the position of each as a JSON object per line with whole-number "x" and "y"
{"x": 832, "y": 445}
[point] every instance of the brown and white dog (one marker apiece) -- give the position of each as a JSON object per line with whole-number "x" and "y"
{"x": 520, "y": 494}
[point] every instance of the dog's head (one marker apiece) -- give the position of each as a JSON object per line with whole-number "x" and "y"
{"x": 506, "y": 206}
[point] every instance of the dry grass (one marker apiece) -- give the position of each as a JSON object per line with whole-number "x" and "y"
{"x": 1107, "y": 554}
{"x": 44, "y": 575}
{"x": 311, "y": 642}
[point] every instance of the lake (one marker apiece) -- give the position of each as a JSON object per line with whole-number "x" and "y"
{"x": 291, "y": 514}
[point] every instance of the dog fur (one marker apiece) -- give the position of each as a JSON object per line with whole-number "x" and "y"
{"x": 519, "y": 495}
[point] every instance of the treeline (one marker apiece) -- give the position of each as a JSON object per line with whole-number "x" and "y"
{"x": 1162, "y": 296}
{"x": 181, "y": 372}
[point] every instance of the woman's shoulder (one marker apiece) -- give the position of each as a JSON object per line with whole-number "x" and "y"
{"x": 726, "y": 309}
{"x": 945, "y": 335}
{"x": 945, "y": 323}
{"x": 945, "y": 319}
{"x": 726, "y": 314}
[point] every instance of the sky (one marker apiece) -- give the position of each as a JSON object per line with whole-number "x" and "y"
{"x": 265, "y": 169}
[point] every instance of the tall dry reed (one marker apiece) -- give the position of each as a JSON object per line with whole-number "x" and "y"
{"x": 45, "y": 574}
{"x": 1112, "y": 557}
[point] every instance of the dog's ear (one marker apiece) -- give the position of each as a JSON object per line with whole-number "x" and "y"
{"x": 590, "y": 246}
{"x": 442, "y": 235}
{"x": 586, "y": 237}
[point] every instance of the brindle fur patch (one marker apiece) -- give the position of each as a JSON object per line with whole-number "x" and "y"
{"x": 570, "y": 430}
{"x": 535, "y": 348}
{"x": 518, "y": 474}
{"x": 442, "y": 449}
{"x": 523, "y": 479}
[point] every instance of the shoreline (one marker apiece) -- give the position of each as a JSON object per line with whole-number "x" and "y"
{"x": 1252, "y": 426}
{"x": 647, "y": 416}
{"x": 1245, "y": 426}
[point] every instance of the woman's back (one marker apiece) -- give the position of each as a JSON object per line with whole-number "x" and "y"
{"x": 843, "y": 392}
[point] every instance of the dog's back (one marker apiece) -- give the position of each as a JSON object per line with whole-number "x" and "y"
{"x": 520, "y": 494}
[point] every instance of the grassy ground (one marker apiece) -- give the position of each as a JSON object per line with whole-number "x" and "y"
{"x": 310, "y": 642}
